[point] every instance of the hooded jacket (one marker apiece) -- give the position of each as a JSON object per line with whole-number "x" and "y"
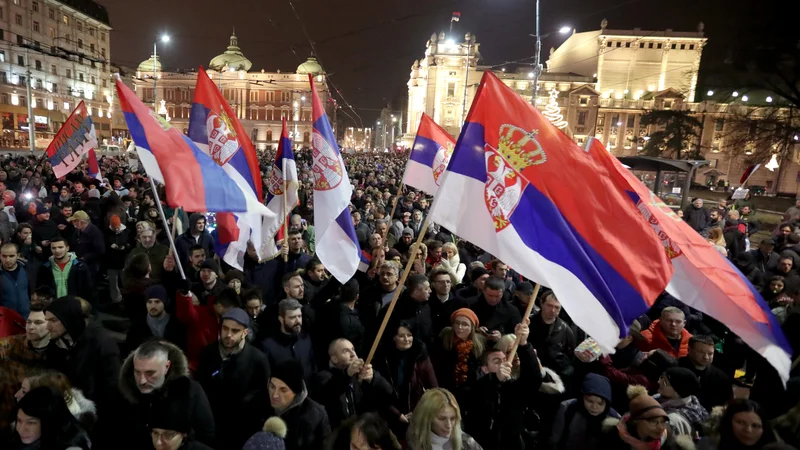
{"x": 137, "y": 408}
{"x": 574, "y": 427}
{"x": 611, "y": 439}
{"x": 82, "y": 409}
{"x": 89, "y": 245}
{"x": 186, "y": 240}
{"x": 79, "y": 279}
{"x": 307, "y": 423}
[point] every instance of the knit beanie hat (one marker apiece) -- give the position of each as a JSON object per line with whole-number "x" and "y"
{"x": 172, "y": 412}
{"x": 477, "y": 272}
{"x": 94, "y": 193}
{"x": 269, "y": 439}
{"x": 683, "y": 381}
{"x": 643, "y": 406}
{"x": 468, "y": 313}
{"x": 210, "y": 264}
{"x": 157, "y": 291}
{"x": 68, "y": 311}
{"x": 291, "y": 373}
{"x": 115, "y": 221}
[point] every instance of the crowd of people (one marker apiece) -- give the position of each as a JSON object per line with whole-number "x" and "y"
{"x": 106, "y": 346}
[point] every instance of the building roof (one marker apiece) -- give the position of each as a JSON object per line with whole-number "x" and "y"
{"x": 90, "y": 8}
{"x": 653, "y": 164}
{"x": 311, "y": 66}
{"x": 147, "y": 65}
{"x": 231, "y": 59}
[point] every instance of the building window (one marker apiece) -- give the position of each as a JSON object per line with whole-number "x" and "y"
{"x": 104, "y": 83}
{"x": 451, "y": 89}
{"x": 609, "y": 44}
{"x": 51, "y": 14}
{"x": 660, "y": 45}
{"x": 20, "y": 60}
{"x": 719, "y": 125}
{"x": 452, "y": 73}
{"x": 631, "y": 120}
{"x": 65, "y": 19}
{"x": 583, "y": 101}
{"x": 94, "y": 80}
{"x": 270, "y": 96}
{"x": 103, "y": 52}
{"x": 20, "y": 40}
{"x": 683, "y": 46}
{"x": 674, "y": 46}
{"x": 18, "y": 19}
{"x": 667, "y": 104}
{"x": 91, "y": 32}
{"x": 69, "y": 73}
{"x": 52, "y": 32}
{"x": 614, "y": 120}
{"x": 254, "y": 135}
{"x": 102, "y": 36}
{"x": 35, "y": 6}
{"x": 269, "y": 135}
{"x": 628, "y": 45}
{"x": 5, "y": 99}
{"x": 55, "y": 88}
{"x": 619, "y": 44}
{"x": 691, "y": 46}
{"x": 80, "y": 25}
{"x": 53, "y": 69}
{"x": 581, "y": 117}
{"x": 2, "y": 13}
{"x": 80, "y": 43}
{"x": 36, "y": 27}
{"x": 650, "y": 45}
{"x": 306, "y": 137}
{"x": 80, "y": 76}
{"x": 286, "y": 96}
{"x": 38, "y": 64}
{"x": 601, "y": 120}
{"x": 2, "y": 56}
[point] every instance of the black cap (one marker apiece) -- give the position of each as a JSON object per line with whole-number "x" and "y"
{"x": 477, "y": 272}
{"x": 290, "y": 372}
{"x": 210, "y": 264}
{"x": 683, "y": 381}
{"x": 525, "y": 287}
{"x": 68, "y": 311}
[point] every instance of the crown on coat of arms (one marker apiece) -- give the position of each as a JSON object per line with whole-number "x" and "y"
{"x": 520, "y": 148}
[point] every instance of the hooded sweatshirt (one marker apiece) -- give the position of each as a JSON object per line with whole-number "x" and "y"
{"x": 574, "y": 427}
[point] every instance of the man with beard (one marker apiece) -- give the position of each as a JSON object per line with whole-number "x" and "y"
{"x": 65, "y": 227}
{"x": 289, "y": 342}
{"x": 154, "y": 374}
{"x": 233, "y": 373}
{"x": 156, "y": 253}
{"x": 785, "y": 269}
{"x": 159, "y": 323}
{"x": 16, "y": 280}
{"x": 667, "y": 333}
{"x": 21, "y": 356}
{"x": 717, "y": 221}
{"x": 196, "y": 234}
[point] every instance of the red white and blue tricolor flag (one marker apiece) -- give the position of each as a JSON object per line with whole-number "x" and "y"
{"x": 94, "y": 167}
{"x": 75, "y": 138}
{"x": 216, "y": 130}
{"x": 337, "y": 245}
{"x": 366, "y": 260}
{"x": 281, "y": 182}
{"x": 522, "y": 190}
{"x": 429, "y": 156}
{"x": 703, "y": 279}
{"x": 193, "y": 180}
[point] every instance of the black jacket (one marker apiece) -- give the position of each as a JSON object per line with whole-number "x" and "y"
{"x": 715, "y": 386}
{"x": 441, "y": 311}
{"x": 697, "y": 218}
{"x": 232, "y": 385}
{"x": 495, "y": 416}
{"x": 554, "y": 344}
{"x": 307, "y": 423}
{"x": 344, "y": 396}
{"x": 90, "y": 245}
{"x": 79, "y": 280}
{"x": 174, "y": 332}
{"x": 502, "y": 317}
{"x": 280, "y": 347}
{"x": 417, "y": 314}
{"x": 343, "y": 322}
{"x": 734, "y": 241}
{"x": 185, "y": 241}
{"x": 136, "y": 410}
{"x": 765, "y": 263}
{"x": 115, "y": 257}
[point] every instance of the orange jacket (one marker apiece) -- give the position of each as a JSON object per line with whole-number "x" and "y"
{"x": 655, "y": 339}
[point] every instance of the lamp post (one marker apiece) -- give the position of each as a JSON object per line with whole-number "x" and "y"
{"x": 537, "y": 57}
{"x": 164, "y": 39}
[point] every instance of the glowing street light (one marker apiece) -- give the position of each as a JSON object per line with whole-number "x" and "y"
{"x": 165, "y": 38}
{"x": 710, "y": 93}
{"x": 565, "y": 29}
{"x": 735, "y": 94}
{"x": 769, "y": 99}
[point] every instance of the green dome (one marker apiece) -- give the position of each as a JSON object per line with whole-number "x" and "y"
{"x": 310, "y": 66}
{"x": 233, "y": 58}
{"x": 147, "y": 65}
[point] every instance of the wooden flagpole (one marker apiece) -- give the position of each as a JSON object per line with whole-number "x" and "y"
{"x": 513, "y": 352}
{"x": 394, "y": 207}
{"x": 285, "y": 213}
{"x": 166, "y": 227}
{"x": 397, "y": 291}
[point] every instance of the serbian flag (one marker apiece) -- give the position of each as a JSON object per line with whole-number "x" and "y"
{"x": 704, "y": 279}
{"x": 281, "y": 183}
{"x": 193, "y": 180}
{"x": 366, "y": 260}
{"x": 429, "y": 156}
{"x": 523, "y": 191}
{"x": 337, "y": 245}
{"x": 75, "y": 138}
{"x": 748, "y": 172}
{"x": 456, "y": 17}
{"x": 216, "y": 130}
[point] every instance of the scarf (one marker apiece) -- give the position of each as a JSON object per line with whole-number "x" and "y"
{"x": 636, "y": 444}
{"x": 158, "y": 325}
{"x": 463, "y": 349}
{"x": 440, "y": 443}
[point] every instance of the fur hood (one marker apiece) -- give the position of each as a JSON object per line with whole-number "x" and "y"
{"x": 684, "y": 442}
{"x": 82, "y": 408}
{"x": 551, "y": 382}
{"x": 179, "y": 368}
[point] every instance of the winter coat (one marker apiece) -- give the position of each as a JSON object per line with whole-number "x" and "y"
{"x": 554, "y": 344}
{"x": 137, "y": 408}
{"x": 90, "y": 245}
{"x": 763, "y": 263}
{"x": 574, "y": 428}
{"x": 343, "y": 323}
{"x": 201, "y": 323}
{"x": 16, "y": 288}
{"x": 495, "y": 412}
{"x": 685, "y": 414}
{"x": 79, "y": 280}
{"x": 174, "y": 333}
{"x": 734, "y": 241}
{"x": 447, "y": 359}
{"x": 654, "y": 338}
{"x": 186, "y": 240}
{"x": 417, "y": 376}
{"x": 344, "y": 396}
{"x": 46, "y": 230}
{"x": 83, "y": 409}
{"x": 18, "y": 361}
{"x": 502, "y": 317}
{"x": 156, "y": 254}
{"x": 232, "y": 384}
{"x": 441, "y": 311}
{"x": 115, "y": 257}
{"x": 417, "y": 314}
{"x": 715, "y": 386}
{"x": 697, "y": 218}
{"x": 280, "y": 347}
{"x": 307, "y": 423}
{"x": 611, "y": 439}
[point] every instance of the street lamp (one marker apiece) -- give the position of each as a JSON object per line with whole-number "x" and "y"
{"x": 565, "y": 29}
{"x": 164, "y": 39}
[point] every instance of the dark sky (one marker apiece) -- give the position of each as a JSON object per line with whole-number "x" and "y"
{"x": 368, "y": 46}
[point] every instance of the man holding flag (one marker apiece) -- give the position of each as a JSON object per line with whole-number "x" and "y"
{"x": 282, "y": 194}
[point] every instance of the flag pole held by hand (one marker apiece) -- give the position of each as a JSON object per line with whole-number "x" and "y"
{"x": 285, "y": 213}
{"x": 396, "y": 294}
{"x": 166, "y": 227}
{"x": 513, "y": 352}
{"x": 394, "y": 206}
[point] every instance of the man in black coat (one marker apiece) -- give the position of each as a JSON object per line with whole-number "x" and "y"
{"x": 159, "y": 323}
{"x": 347, "y": 324}
{"x": 715, "y": 386}
{"x": 349, "y": 387}
{"x": 196, "y": 234}
{"x": 233, "y": 374}
{"x": 155, "y": 374}
{"x": 90, "y": 244}
{"x": 289, "y": 342}
{"x": 86, "y": 354}
{"x": 765, "y": 258}
{"x": 44, "y": 230}
{"x": 496, "y": 315}
{"x": 552, "y": 338}
{"x": 477, "y": 278}
{"x": 696, "y": 216}
{"x": 412, "y": 307}
{"x": 65, "y": 273}
{"x": 499, "y": 399}
{"x": 307, "y": 423}
{"x": 443, "y": 302}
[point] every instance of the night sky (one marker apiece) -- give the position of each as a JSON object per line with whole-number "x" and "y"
{"x": 368, "y": 46}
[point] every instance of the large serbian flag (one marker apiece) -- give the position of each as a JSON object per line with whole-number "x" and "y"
{"x": 429, "y": 156}
{"x": 704, "y": 279}
{"x": 522, "y": 190}
{"x": 216, "y": 130}
{"x": 193, "y": 180}
{"x": 282, "y": 186}
{"x": 337, "y": 245}
{"x": 75, "y": 138}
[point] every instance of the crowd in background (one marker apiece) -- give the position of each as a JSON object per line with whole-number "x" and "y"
{"x": 105, "y": 346}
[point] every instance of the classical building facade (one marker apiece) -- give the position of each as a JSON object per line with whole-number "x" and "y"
{"x": 260, "y": 99}
{"x": 66, "y": 45}
{"x": 603, "y": 81}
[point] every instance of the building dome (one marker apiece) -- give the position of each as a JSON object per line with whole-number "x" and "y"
{"x": 233, "y": 58}
{"x": 147, "y": 65}
{"x": 310, "y": 66}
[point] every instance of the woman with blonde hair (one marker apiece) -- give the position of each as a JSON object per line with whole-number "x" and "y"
{"x": 82, "y": 408}
{"x": 436, "y": 424}
{"x": 458, "y": 353}
{"x": 452, "y": 262}
{"x": 716, "y": 239}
